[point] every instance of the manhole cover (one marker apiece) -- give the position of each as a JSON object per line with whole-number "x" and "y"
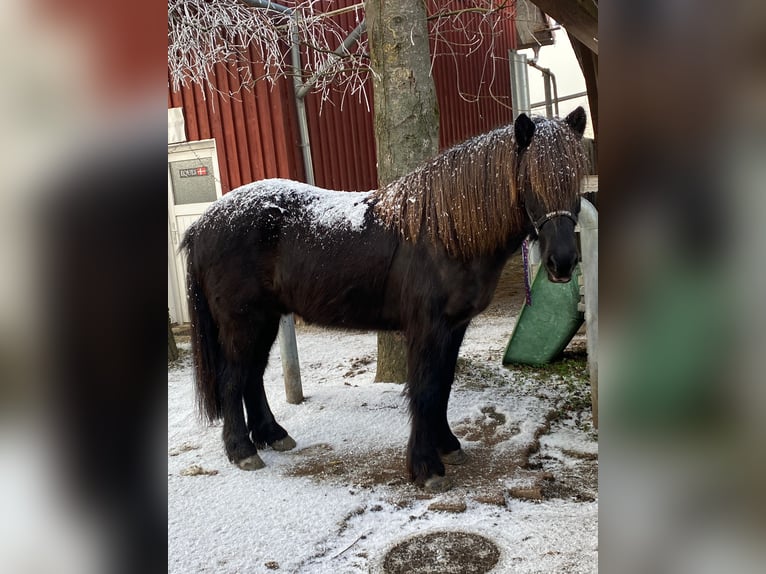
{"x": 442, "y": 553}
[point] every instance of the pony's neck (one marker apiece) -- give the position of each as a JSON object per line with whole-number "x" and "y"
{"x": 464, "y": 199}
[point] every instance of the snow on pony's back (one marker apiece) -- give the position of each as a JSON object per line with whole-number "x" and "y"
{"x": 324, "y": 208}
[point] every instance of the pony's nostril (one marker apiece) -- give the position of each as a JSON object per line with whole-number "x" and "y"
{"x": 559, "y": 268}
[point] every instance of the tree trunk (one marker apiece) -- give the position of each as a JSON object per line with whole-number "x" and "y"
{"x": 172, "y": 349}
{"x": 406, "y": 118}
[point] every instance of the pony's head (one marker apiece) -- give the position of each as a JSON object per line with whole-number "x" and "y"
{"x": 551, "y": 164}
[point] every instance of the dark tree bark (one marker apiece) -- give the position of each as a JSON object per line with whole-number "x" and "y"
{"x": 406, "y": 118}
{"x": 172, "y": 349}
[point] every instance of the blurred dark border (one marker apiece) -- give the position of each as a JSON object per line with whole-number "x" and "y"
{"x": 682, "y": 152}
{"x": 681, "y": 148}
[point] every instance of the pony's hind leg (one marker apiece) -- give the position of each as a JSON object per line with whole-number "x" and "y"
{"x": 239, "y": 448}
{"x": 234, "y": 373}
{"x": 261, "y": 423}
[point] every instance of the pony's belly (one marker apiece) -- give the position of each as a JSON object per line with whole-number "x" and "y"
{"x": 350, "y": 307}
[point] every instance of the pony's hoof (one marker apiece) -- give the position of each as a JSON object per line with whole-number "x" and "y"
{"x": 283, "y": 444}
{"x": 438, "y": 484}
{"x": 455, "y": 457}
{"x": 252, "y": 462}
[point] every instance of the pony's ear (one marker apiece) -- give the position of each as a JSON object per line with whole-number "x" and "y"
{"x": 577, "y": 120}
{"x": 523, "y": 129}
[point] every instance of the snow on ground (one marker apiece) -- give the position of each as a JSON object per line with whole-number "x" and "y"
{"x": 340, "y": 501}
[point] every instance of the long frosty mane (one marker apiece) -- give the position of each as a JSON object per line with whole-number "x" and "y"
{"x": 467, "y": 198}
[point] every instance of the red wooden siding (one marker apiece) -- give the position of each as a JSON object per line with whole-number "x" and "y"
{"x": 341, "y": 132}
{"x": 256, "y": 130}
{"x": 342, "y": 143}
{"x": 474, "y": 91}
{"x": 342, "y": 135}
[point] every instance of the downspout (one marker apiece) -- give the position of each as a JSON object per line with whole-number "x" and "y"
{"x": 300, "y": 92}
{"x": 303, "y": 88}
{"x": 300, "y": 87}
{"x": 342, "y": 50}
{"x": 288, "y": 347}
{"x": 300, "y": 104}
{"x": 519, "y": 83}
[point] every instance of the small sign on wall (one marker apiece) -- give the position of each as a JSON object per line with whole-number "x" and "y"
{"x": 193, "y": 180}
{"x": 193, "y": 172}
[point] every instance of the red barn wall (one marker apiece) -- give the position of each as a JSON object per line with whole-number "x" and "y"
{"x": 256, "y": 130}
{"x": 474, "y": 91}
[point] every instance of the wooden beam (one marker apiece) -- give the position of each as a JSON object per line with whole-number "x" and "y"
{"x": 579, "y": 17}
{"x": 589, "y": 66}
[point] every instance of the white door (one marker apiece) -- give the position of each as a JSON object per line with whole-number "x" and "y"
{"x": 193, "y": 184}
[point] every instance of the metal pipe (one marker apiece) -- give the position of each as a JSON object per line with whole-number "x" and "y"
{"x": 561, "y": 99}
{"x": 548, "y": 99}
{"x": 555, "y": 93}
{"x": 519, "y": 84}
{"x": 550, "y": 81}
{"x": 342, "y": 50}
{"x": 291, "y": 367}
{"x": 269, "y": 6}
{"x": 288, "y": 346}
{"x": 287, "y": 343}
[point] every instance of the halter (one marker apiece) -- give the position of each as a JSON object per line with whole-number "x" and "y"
{"x": 538, "y": 225}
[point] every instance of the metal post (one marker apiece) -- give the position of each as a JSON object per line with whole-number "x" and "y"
{"x": 588, "y": 222}
{"x": 549, "y": 83}
{"x": 548, "y": 97}
{"x": 291, "y": 367}
{"x": 519, "y": 83}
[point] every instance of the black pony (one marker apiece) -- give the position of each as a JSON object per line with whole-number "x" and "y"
{"x": 422, "y": 255}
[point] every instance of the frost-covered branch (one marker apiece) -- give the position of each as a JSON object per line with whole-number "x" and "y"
{"x": 203, "y": 34}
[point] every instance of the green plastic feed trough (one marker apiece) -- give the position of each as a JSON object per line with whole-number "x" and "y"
{"x": 545, "y": 328}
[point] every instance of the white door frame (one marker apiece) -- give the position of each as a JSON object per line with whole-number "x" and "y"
{"x": 180, "y": 217}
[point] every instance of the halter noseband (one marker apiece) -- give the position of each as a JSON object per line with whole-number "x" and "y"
{"x": 550, "y": 215}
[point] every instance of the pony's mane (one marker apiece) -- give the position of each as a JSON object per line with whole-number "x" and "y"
{"x": 467, "y": 198}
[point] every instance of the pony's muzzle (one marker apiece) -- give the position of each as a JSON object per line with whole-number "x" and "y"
{"x": 560, "y": 268}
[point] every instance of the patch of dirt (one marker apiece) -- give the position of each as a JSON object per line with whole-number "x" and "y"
{"x": 359, "y": 365}
{"x": 185, "y": 447}
{"x": 579, "y": 483}
{"x": 490, "y": 430}
{"x": 495, "y": 470}
{"x": 197, "y": 470}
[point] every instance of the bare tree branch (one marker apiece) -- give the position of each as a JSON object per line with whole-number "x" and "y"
{"x": 205, "y": 33}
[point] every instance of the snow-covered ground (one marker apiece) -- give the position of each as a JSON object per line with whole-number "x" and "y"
{"x": 340, "y": 501}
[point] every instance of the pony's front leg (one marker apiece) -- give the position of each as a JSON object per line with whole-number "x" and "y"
{"x": 431, "y": 367}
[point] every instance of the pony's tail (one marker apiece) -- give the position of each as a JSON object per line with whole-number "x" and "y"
{"x": 206, "y": 351}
